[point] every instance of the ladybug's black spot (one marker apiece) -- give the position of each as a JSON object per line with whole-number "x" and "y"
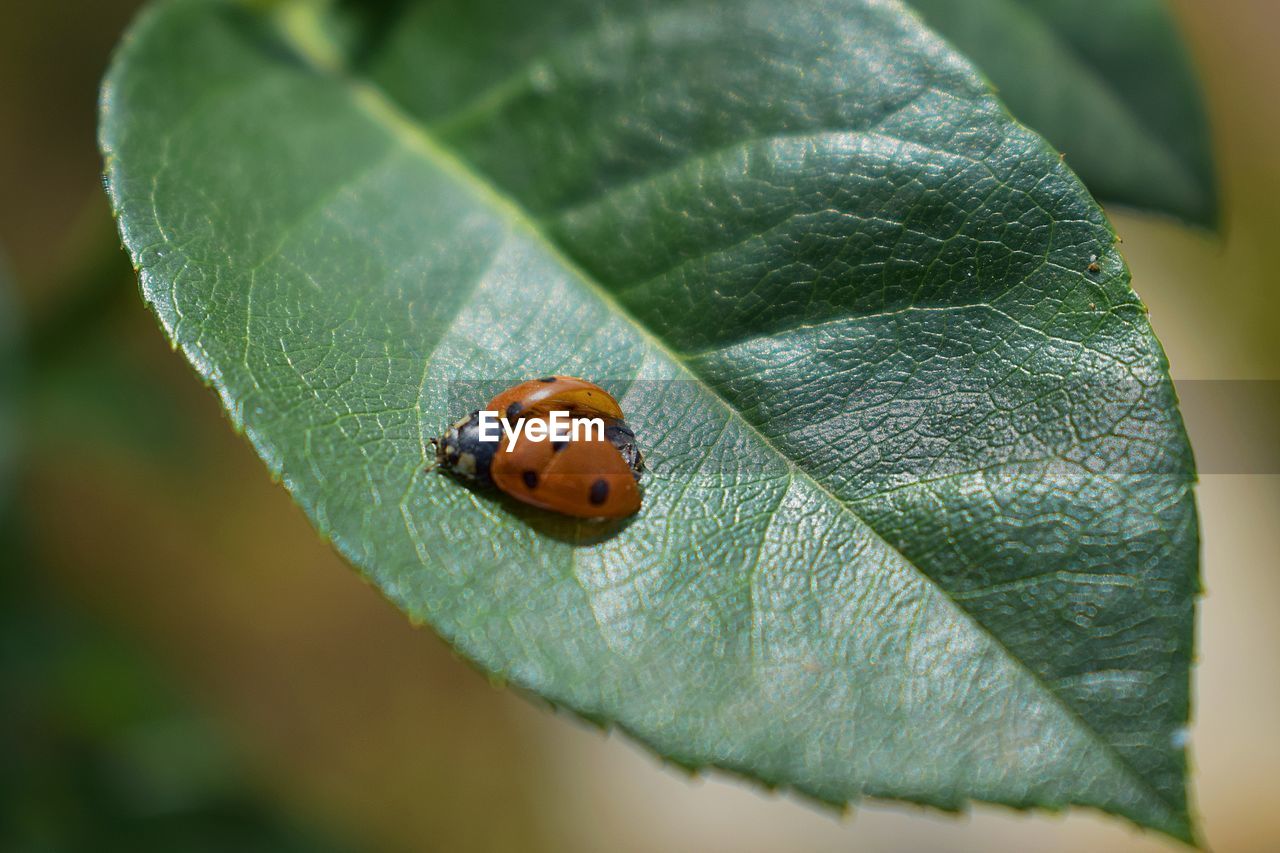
{"x": 599, "y": 492}
{"x": 530, "y": 479}
{"x": 557, "y": 446}
{"x": 514, "y": 409}
{"x": 547, "y": 379}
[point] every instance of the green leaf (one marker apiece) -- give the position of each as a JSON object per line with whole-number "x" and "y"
{"x": 919, "y": 523}
{"x": 1109, "y": 83}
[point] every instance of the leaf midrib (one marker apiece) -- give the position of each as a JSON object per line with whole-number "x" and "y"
{"x": 302, "y": 31}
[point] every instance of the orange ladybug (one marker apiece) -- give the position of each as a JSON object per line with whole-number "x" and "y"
{"x": 578, "y": 397}
{"x": 584, "y": 477}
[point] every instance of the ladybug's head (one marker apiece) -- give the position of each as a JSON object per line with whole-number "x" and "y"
{"x": 461, "y": 452}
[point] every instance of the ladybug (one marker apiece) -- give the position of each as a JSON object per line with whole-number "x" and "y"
{"x": 583, "y": 478}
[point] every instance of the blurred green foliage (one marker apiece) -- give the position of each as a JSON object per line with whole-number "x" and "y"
{"x": 101, "y": 754}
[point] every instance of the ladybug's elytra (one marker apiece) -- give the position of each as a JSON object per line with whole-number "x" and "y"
{"x": 583, "y": 477}
{"x": 587, "y": 479}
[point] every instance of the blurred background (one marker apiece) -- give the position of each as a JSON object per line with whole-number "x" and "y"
{"x": 184, "y": 665}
